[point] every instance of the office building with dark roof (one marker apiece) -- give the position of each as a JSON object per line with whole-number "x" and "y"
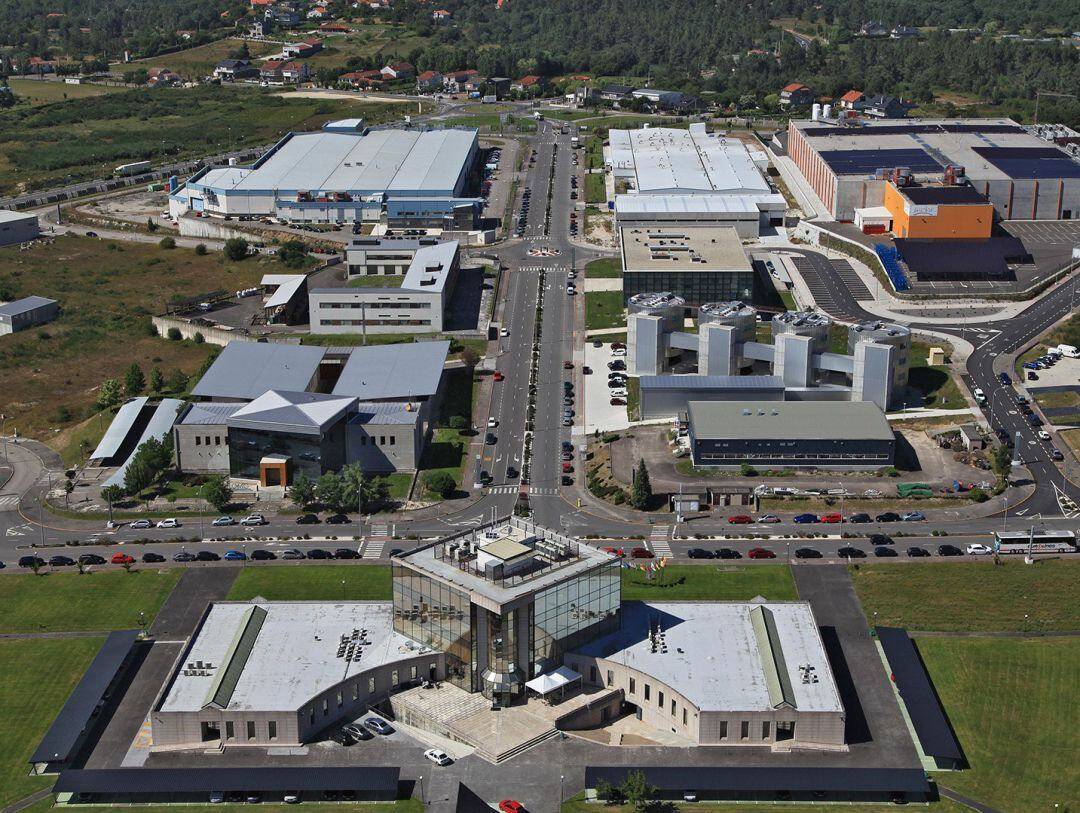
{"x": 849, "y": 163}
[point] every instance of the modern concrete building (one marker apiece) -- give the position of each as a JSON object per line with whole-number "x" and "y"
{"x": 697, "y": 263}
{"x": 794, "y": 434}
{"x": 18, "y": 227}
{"x": 280, "y": 673}
{"x": 850, "y": 163}
{"x": 27, "y": 312}
{"x": 721, "y": 673}
{"x": 675, "y": 176}
{"x": 425, "y": 271}
{"x": 400, "y": 178}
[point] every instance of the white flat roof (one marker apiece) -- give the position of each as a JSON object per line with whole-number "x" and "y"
{"x": 663, "y": 159}
{"x": 713, "y": 656}
{"x": 292, "y": 658}
{"x": 403, "y": 161}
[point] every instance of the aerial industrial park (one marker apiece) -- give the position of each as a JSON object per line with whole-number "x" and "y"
{"x": 541, "y": 444}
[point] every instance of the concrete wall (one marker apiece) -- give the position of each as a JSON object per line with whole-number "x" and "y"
{"x": 201, "y": 448}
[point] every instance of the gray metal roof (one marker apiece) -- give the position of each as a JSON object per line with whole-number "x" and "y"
{"x": 209, "y": 414}
{"x": 711, "y": 382}
{"x": 390, "y": 371}
{"x": 63, "y": 735}
{"x": 24, "y": 305}
{"x": 246, "y": 370}
{"x": 118, "y": 430}
{"x": 161, "y": 422}
{"x": 789, "y": 420}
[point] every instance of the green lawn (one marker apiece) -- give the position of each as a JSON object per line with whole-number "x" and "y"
{"x": 1001, "y": 697}
{"x": 604, "y": 309}
{"x": 605, "y": 268}
{"x": 314, "y": 583}
{"x": 594, "y": 188}
{"x": 972, "y": 595}
{"x": 375, "y": 281}
{"x": 90, "y": 602}
{"x": 710, "y": 583}
{"x": 37, "y": 678}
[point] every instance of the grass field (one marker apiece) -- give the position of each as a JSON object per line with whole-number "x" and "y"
{"x": 314, "y": 582}
{"x": 43, "y": 146}
{"x": 604, "y": 309}
{"x": 605, "y": 268}
{"x": 1001, "y": 697}
{"x": 38, "y": 676}
{"x": 972, "y": 595}
{"x": 710, "y": 583}
{"x": 107, "y": 292}
{"x": 102, "y": 601}
{"x": 38, "y": 92}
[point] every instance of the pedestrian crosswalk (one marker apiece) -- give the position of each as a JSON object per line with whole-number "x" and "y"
{"x": 659, "y": 540}
{"x": 9, "y": 502}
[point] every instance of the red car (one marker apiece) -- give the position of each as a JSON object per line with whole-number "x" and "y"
{"x": 641, "y": 553}
{"x": 616, "y": 551}
{"x": 740, "y": 519}
{"x": 498, "y": 376}
{"x": 833, "y": 518}
{"x": 761, "y": 553}
{"x": 511, "y": 806}
{"x": 123, "y": 559}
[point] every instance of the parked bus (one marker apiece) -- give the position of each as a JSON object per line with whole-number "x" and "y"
{"x": 1035, "y": 542}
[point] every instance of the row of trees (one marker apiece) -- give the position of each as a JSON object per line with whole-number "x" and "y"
{"x": 347, "y": 490}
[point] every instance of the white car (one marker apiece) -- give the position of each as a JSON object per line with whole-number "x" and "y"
{"x": 977, "y": 549}
{"x": 437, "y": 756}
{"x": 168, "y": 523}
{"x": 1044, "y": 435}
{"x": 492, "y": 423}
{"x": 253, "y": 519}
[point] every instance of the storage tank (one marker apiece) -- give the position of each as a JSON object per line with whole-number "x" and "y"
{"x": 663, "y": 304}
{"x": 735, "y": 314}
{"x": 815, "y": 112}
{"x": 899, "y": 336}
{"x": 826, "y": 111}
{"x": 803, "y": 323}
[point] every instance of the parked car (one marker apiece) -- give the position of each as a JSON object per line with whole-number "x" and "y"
{"x": 978, "y": 549}
{"x": 883, "y": 551}
{"x": 207, "y": 556}
{"x": 235, "y": 556}
{"x": 122, "y": 559}
{"x": 379, "y": 726}
{"x": 740, "y": 519}
{"x": 807, "y": 553}
{"x": 949, "y": 550}
{"x": 292, "y": 553}
{"x": 151, "y": 558}
{"x": 91, "y": 559}
{"x": 700, "y": 553}
{"x": 183, "y": 556}
{"x": 913, "y": 516}
{"x": 915, "y": 552}
{"x": 849, "y": 552}
{"x": 141, "y": 524}
{"x": 263, "y": 555}
{"x": 437, "y": 756}
{"x": 307, "y": 519}
{"x": 641, "y": 553}
{"x": 761, "y": 553}
{"x": 168, "y": 523}
{"x": 806, "y": 519}
{"x": 223, "y": 521}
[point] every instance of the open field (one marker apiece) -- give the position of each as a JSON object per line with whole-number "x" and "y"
{"x": 38, "y": 677}
{"x": 45, "y": 91}
{"x": 65, "y": 601}
{"x": 315, "y": 582}
{"x": 1001, "y": 697}
{"x": 605, "y": 268}
{"x": 710, "y": 583}
{"x": 604, "y": 309}
{"x": 195, "y": 63}
{"x": 45, "y": 146}
{"x": 972, "y": 595}
{"x": 107, "y": 292}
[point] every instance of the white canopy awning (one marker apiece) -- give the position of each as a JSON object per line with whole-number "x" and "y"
{"x": 546, "y": 684}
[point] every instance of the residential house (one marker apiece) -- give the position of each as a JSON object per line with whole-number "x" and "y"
{"x": 904, "y": 32}
{"x": 873, "y": 29}
{"x": 228, "y": 70}
{"x": 530, "y": 84}
{"x": 429, "y": 81}
{"x": 796, "y": 94}
{"x": 304, "y": 48}
{"x": 885, "y": 107}
{"x": 399, "y": 70}
{"x": 361, "y": 78}
{"x": 162, "y": 78}
{"x": 441, "y": 16}
{"x": 852, "y": 100}
{"x": 616, "y": 93}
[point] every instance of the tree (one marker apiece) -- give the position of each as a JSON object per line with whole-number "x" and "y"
{"x": 440, "y": 482}
{"x": 134, "y": 380}
{"x": 641, "y": 492}
{"x": 218, "y": 492}
{"x": 330, "y": 492}
{"x": 109, "y": 394}
{"x": 157, "y": 380}
{"x": 178, "y": 381}
{"x": 236, "y": 248}
{"x": 637, "y": 791}
{"x": 302, "y": 491}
